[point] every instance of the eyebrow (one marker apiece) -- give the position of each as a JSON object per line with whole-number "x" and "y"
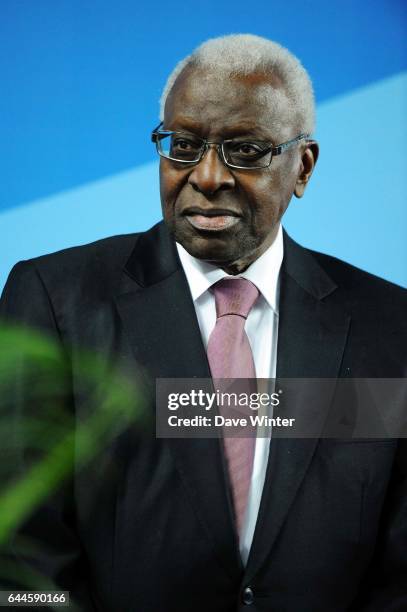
{"x": 241, "y": 129}
{"x": 244, "y": 130}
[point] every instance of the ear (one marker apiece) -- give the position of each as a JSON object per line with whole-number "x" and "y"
{"x": 308, "y": 160}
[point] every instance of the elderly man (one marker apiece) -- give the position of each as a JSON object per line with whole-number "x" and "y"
{"x": 191, "y": 525}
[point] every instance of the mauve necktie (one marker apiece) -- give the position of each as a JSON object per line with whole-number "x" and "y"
{"x": 230, "y": 356}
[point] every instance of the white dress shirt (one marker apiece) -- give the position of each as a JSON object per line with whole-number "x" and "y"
{"x": 261, "y": 327}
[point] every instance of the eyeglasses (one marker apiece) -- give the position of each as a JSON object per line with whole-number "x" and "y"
{"x": 236, "y": 153}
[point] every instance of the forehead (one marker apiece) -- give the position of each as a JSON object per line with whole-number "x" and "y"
{"x": 214, "y": 104}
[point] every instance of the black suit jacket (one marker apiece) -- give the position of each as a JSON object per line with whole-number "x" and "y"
{"x": 148, "y": 527}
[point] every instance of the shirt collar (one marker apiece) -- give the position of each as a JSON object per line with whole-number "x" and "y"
{"x": 263, "y": 272}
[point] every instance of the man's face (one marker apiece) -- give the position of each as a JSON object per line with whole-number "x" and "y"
{"x": 223, "y": 215}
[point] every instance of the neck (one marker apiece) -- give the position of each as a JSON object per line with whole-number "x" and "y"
{"x": 240, "y": 265}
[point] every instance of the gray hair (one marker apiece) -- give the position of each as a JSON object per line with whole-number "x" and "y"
{"x": 244, "y": 54}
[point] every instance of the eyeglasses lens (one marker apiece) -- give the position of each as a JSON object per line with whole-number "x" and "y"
{"x": 182, "y": 147}
{"x": 246, "y": 154}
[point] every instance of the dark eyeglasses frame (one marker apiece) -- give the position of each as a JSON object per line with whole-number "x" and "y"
{"x": 277, "y": 150}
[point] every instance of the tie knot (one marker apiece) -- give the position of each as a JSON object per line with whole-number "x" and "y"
{"x": 234, "y": 296}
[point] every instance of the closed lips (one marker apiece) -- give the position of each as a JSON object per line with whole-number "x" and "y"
{"x": 212, "y": 220}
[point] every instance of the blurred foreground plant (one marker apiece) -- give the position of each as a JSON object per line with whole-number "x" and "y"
{"x": 43, "y": 440}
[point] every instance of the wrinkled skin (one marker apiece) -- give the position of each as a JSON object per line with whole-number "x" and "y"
{"x": 244, "y": 206}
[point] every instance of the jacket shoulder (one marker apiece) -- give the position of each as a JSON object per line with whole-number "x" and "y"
{"x": 370, "y": 299}
{"x": 351, "y": 278}
{"x": 80, "y": 273}
{"x": 106, "y": 255}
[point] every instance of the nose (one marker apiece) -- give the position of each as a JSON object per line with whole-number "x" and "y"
{"x": 211, "y": 175}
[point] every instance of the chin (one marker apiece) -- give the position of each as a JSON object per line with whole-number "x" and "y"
{"x": 218, "y": 248}
{"x": 211, "y": 250}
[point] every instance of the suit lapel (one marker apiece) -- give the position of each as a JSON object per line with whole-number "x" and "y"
{"x": 311, "y": 340}
{"x": 159, "y": 320}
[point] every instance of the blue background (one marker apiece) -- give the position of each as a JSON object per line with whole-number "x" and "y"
{"x": 80, "y": 84}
